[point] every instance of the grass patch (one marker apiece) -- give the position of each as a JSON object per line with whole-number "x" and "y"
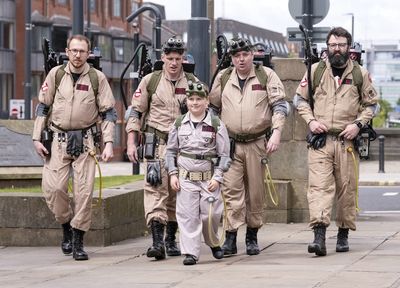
{"x": 107, "y": 181}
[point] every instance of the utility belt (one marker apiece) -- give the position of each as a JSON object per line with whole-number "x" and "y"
{"x": 244, "y": 138}
{"x": 74, "y": 138}
{"x": 195, "y": 176}
{"x": 149, "y": 143}
{"x": 209, "y": 157}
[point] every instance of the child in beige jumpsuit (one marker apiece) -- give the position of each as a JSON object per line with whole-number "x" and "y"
{"x": 195, "y": 141}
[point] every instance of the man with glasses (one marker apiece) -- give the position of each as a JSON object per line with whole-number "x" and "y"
{"x": 342, "y": 106}
{"x": 157, "y": 102}
{"x": 250, "y": 99}
{"x": 72, "y": 99}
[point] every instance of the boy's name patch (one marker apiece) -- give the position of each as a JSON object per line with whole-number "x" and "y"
{"x": 208, "y": 129}
{"x": 82, "y": 87}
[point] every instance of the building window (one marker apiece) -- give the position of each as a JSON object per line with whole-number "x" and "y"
{"x": 134, "y": 5}
{"x": 38, "y": 33}
{"x": 122, "y": 50}
{"x": 6, "y": 93}
{"x": 62, "y": 2}
{"x": 7, "y": 35}
{"x": 103, "y": 42}
{"x": 92, "y": 6}
{"x": 116, "y": 8}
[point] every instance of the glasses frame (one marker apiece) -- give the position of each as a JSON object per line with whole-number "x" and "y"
{"x": 339, "y": 45}
{"x": 75, "y": 52}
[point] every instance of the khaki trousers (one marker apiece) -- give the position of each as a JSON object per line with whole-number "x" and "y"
{"x": 332, "y": 176}
{"x": 243, "y": 186}
{"x": 192, "y": 209}
{"x": 56, "y": 173}
{"x": 160, "y": 201}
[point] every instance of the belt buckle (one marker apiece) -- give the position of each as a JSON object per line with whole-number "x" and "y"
{"x": 195, "y": 176}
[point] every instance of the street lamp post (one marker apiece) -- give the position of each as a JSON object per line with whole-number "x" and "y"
{"x": 352, "y": 25}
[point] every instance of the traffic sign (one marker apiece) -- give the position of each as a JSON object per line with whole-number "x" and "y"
{"x": 320, "y": 9}
{"x": 318, "y": 34}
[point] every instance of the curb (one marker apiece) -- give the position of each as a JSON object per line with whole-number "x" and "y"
{"x": 379, "y": 183}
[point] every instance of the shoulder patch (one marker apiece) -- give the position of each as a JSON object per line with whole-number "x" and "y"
{"x": 138, "y": 93}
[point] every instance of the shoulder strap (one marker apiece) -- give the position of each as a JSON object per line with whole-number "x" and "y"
{"x": 190, "y": 76}
{"x": 59, "y": 75}
{"x": 357, "y": 78}
{"x": 178, "y": 121}
{"x": 225, "y": 77}
{"x": 94, "y": 80}
{"x": 215, "y": 122}
{"x": 153, "y": 83}
{"x": 261, "y": 75}
{"x": 318, "y": 75}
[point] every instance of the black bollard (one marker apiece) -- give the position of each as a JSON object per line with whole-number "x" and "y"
{"x": 381, "y": 154}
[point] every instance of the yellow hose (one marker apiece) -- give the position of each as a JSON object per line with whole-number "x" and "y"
{"x": 100, "y": 199}
{"x": 224, "y": 221}
{"x": 269, "y": 183}
{"x": 350, "y": 150}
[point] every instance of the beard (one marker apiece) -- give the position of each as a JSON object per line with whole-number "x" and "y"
{"x": 338, "y": 59}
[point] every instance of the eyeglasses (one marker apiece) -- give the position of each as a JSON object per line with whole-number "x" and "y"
{"x": 76, "y": 51}
{"x": 334, "y": 45}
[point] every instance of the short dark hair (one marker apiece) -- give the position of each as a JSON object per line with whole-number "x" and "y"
{"x": 80, "y": 38}
{"x": 339, "y": 32}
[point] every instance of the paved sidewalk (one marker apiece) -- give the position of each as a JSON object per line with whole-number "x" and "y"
{"x": 373, "y": 261}
{"x": 369, "y": 175}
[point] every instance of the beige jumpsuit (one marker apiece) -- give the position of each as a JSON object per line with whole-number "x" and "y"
{"x": 72, "y": 108}
{"x": 247, "y": 112}
{"x": 331, "y": 168}
{"x": 160, "y": 201}
{"x": 192, "y": 206}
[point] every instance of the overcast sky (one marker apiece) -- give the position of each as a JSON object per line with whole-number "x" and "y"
{"x": 373, "y": 19}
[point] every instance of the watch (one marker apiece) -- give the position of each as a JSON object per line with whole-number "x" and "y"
{"x": 359, "y": 124}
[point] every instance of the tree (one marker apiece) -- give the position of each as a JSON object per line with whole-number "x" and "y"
{"x": 380, "y": 119}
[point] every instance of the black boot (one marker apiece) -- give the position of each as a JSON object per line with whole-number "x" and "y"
{"x": 77, "y": 245}
{"x": 229, "y": 246}
{"x": 318, "y": 246}
{"x": 66, "y": 243}
{"x": 170, "y": 244}
{"x": 342, "y": 245}
{"x": 251, "y": 241}
{"x": 157, "y": 250}
{"x": 217, "y": 252}
{"x": 189, "y": 260}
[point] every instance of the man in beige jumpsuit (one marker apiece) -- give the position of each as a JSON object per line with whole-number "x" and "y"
{"x": 250, "y": 109}
{"x": 158, "y": 112}
{"x": 194, "y": 144}
{"x": 339, "y": 113}
{"x": 71, "y": 111}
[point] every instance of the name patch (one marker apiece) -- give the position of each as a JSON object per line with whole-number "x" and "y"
{"x": 259, "y": 87}
{"x": 348, "y": 81}
{"x": 180, "y": 91}
{"x": 82, "y": 87}
{"x": 208, "y": 129}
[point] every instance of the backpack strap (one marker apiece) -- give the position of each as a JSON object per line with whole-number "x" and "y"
{"x": 318, "y": 76}
{"x": 190, "y": 76}
{"x": 215, "y": 122}
{"x": 178, "y": 121}
{"x": 59, "y": 75}
{"x": 153, "y": 83}
{"x": 261, "y": 76}
{"x": 94, "y": 80}
{"x": 225, "y": 77}
{"x": 357, "y": 78}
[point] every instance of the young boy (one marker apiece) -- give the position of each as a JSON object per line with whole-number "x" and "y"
{"x": 195, "y": 142}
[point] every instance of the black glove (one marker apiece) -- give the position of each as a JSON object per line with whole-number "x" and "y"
{"x": 154, "y": 173}
{"x": 316, "y": 141}
{"x": 75, "y": 142}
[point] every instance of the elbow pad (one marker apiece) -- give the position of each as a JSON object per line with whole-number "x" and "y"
{"x": 170, "y": 163}
{"x": 130, "y": 112}
{"x": 224, "y": 163}
{"x": 297, "y": 100}
{"x": 282, "y": 107}
{"x": 109, "y": 115}
{"x": 42, "y": 110}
